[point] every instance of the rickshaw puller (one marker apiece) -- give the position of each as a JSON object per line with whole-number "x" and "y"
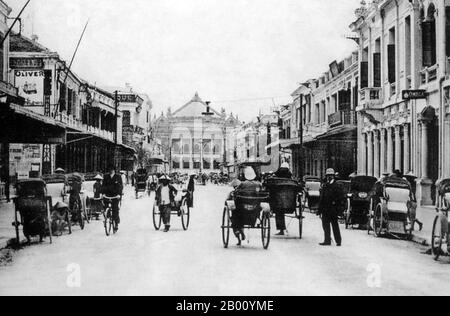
{"x": 284, "y": 173}
{"x": 165, "y": 199}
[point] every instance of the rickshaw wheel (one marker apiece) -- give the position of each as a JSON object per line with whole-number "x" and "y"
{"x": 369, "y": 217}
{"x": 85, "y": 213}
{"x": 378, "y": 221}
{"x": 69, "y": 223}
{"x": 185, "y": 215}
{"x": 226, "y": 226}
{"x": 48, "y": 220}
{"x": 157, "y": 220}
{"x": 299, "y": 215}
{"x": 348, "y": 214}
{"x": 265, "y": 230}
{"x": 437, "y": 235}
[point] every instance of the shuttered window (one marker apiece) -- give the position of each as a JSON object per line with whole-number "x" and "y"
{"x": 62, "y": 98}
{"x": 364, "y": 74}
{"x": 391, "y": 64}
{"x": 429, "y": 43}
{"x": 377, "y": 70}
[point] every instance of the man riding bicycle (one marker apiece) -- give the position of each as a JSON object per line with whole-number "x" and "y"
{"x": 112, "y": 187}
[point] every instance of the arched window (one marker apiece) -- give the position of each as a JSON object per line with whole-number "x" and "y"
{"x": 429, "y": 37}
{"x": 186, "y": 149}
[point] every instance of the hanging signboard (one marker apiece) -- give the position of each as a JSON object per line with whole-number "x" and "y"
{"x": 31, "y": 86}
{"x": 414, "y": 94}
{"x": 26, "y": 63}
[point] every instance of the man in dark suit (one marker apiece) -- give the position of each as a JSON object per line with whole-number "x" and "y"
{"x": 331, "y": 201}
{"x": 112, "y": 187}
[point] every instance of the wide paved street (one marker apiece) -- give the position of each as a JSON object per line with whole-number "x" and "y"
{"x": 140, "y": 260}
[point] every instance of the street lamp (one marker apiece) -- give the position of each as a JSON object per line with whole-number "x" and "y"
{"x": 205, "y": 116}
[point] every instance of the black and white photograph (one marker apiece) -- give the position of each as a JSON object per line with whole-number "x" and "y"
{"x": 226, "y": 155}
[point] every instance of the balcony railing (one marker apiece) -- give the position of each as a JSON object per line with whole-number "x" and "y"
{"x": 371, "y": 96}
{"x": 429, "y": 74}
{"x": 76, "y": 124}
{"x": 342, "y": 118}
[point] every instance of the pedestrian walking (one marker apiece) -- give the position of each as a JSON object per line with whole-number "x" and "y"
{"x": 331, "y": 202}
{"x": 165, "y": 199}
{"x": 191, "y": 190}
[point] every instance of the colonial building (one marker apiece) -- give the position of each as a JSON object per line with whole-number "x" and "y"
{"x": 194, "y": 137}
{"x": 405, "y": 45}
{"x": 323, "y": 116}
{"x": 92, "y": 137}
{"x": 135, "y": 108}
{"x": 257, "y": 141}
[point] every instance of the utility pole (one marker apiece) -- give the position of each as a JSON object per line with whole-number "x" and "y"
{"x": 301, "y": 156}
{"x": 116, "y": 118}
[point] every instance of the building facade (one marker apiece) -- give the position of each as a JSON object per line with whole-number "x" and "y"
{"x": 93, "y": 128}
{"x": 195, "y": 137}
{"x": 404, "y": 45}
{"x": 319, "y": 127}
{"x": 257, "y": 141}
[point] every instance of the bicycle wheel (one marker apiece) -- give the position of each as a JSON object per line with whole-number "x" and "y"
{"x": 157, "y": 219}
{"x": 185, "y": 214}
{"x": 108, "y": 222}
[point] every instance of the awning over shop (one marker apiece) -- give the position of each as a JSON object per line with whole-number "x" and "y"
{"x": 22, "y": 125}
{"x": 341, "y": 134}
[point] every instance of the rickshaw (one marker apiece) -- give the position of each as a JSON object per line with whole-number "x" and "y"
{"x": 311, "y": 195}
{"x": 391, "y": 208}
{"x": 284, "y": 197}
{"x": 32, "y": 210}
{"x": 180, "y": 208}
{"x": 440, "y": 233}
{"x": 141, "y": 182}
{"x": 257, "y": 215}
{"x": 359, "y": 201}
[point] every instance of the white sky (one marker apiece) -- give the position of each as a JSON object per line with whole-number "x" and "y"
{"x": 226, "y": 50}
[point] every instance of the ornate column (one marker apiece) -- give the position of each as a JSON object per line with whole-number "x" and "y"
{"x": 363, "y": 153}
{"x": 370, "y": 154}
{"x": 390, "y": 152}
{"x": 376, "y": 169}
{"x": 424, "y": 151}
{"x": 425, "y": 182}
{"x": 407, "y": 149}
{"x": 398, "y": 148}
{"x": 382, "y": 151}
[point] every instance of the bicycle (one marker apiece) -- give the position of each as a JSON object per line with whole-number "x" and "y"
{"x": 109, "y": 222}
{"x": 77, "y": 211}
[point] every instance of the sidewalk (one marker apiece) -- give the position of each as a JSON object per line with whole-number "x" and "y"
{"x": 7, "y": 231}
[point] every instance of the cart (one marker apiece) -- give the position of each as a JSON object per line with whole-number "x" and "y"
{"x": 359, "y": 201}
{"x": 32, "y": 210}
{"x": 255, "y": 212}
{"x": 180, "y": 208}
{"x": 390, "y": 208}
{"x": 284, "y": 198}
